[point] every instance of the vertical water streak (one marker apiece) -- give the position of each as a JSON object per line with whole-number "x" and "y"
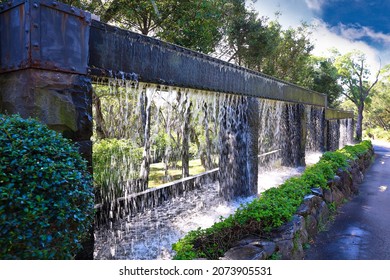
{"x": 343, "y": 133}
{"x": 236, "y": 141}
{"x": 315, "y": 139}
{"x": 117, "y": 143}
{"x": 293, "y": 135}
{"x": 270, "y": 136}
{"x": 148, "y": 96}
{"x": 185, "y": 130}
{"x": 333, "y": 135}
{"x": 350, "y": 130}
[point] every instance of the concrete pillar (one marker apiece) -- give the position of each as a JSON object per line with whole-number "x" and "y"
{"x": 238, "y": 164}
{"x": 323, "y": 131}
{"x": 333, "y": 134}
{"x": 62, "y": 101}
{"x": 294, "y": 131}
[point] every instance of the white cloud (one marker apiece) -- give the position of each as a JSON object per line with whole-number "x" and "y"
{"x": 315, "y": 5}
{"x": 345, "y": 40}
{"x": 292, "y": 12}
{"x": 357, "y": 32}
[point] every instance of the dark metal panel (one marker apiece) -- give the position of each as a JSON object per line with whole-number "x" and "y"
{"x": 154, "y": 61}
{"x": 45, "y": 35}
{"x": 60, "y": 37}
{"x": 14, "y": 36}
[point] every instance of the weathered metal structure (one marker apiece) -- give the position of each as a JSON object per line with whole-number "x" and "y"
{"x": 43, "y": 66}
{"x": 50, "y": 53}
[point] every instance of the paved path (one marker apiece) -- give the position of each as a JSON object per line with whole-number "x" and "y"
{"x": 361, "y": 230}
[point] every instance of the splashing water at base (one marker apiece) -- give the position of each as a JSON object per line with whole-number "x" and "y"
{"x": 275, "y": 177}
{"x": 312, "y": 157}
{"x": 150, "y": 235}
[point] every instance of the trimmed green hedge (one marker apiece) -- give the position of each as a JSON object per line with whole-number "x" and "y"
{"x": 46, "y": 195}
{"x": 273, "y": 208}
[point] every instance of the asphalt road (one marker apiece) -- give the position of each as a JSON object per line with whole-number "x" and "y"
{"x": 361, "y": 230}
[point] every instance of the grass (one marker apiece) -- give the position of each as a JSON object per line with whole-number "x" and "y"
{"x": 157, "y": 170}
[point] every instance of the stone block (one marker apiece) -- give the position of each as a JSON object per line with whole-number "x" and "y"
{"x": 311, "y": 225}
{"x": 328, "y": 196}
{"x": 62, "y": 101}
{"x": 247, "y": 252}
{"x": 322, "y": 214}
{"x": 338, "y": 197}
{"x": 317, "y": 191}
{"x": 289, "y": 229}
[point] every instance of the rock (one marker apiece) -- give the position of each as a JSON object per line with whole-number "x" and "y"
{"x": 336, "y": 180}
{"x": 288, "y": 230}
{"x": 247, "y": 252}
{"x": 317, "y": 191}
{"x": 310, "y": 216}
{"x": 338, "y": 197}
{"x": 311, "y": 225}
{"x": 251, "y": 239}
{"x": 304, "y": 209}
{"x": 328, "y": 196}
{"x": 285, "y": 248}
{"x": 322, "y": 214}
{"x": 269, "y": 247}
{"x": 344, "y": 184}
{"x": 304, "y": 236}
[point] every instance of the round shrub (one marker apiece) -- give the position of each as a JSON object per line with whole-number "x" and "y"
{"x": 46, "y": 196}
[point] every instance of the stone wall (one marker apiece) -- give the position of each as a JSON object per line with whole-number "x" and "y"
{"x": 288, "y": 241}
{"x": 62, "y": 101}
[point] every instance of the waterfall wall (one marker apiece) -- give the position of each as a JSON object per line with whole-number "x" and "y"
{"x": 238, "y": 166}
{"x": 50, "y": 53}
{"x": 316, "y": 124}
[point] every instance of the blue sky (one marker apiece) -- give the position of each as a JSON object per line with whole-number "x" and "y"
{"x": 343, "y": 24}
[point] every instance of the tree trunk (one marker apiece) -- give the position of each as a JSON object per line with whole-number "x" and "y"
{"x": 99, "y": 120}
{"x": 145, "y": 166}
{"x": 359, "y": 123}
{"x": 209, "y": 162}
{"x": 185, "y": 156}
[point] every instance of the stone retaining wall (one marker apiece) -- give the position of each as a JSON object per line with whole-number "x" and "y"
{"x": 288, "y": 241}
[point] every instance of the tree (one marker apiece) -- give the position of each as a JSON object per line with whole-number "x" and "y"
{"x": 324, "y": 79}
{"x": 244, "y": 35}
{"x": 290, "y": 59}
{"x": 195, "y": 24}
{"x": 200, "y": 30}
{"x": 355, "y": 79}
{"x": 377, "y": 110}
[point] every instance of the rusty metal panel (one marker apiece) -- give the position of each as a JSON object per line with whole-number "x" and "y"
{"x": 45, "y": 35}
{"x": 60, "y": 40}
{"x": 60, "y": 36}
{"x": 14, "y": 36}
{"x": 113, "y": 50}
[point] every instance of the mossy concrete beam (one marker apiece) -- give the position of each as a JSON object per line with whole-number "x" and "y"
{"x": 333, "y": 114}
{"x": 114, "y": 51}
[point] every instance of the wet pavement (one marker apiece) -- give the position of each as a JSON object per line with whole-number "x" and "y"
{"x": 361, "y": 229}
